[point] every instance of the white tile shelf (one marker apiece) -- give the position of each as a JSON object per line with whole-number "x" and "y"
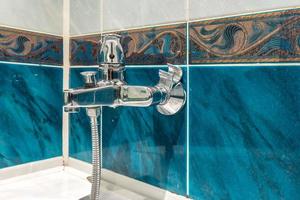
{"x": 49, "y": 180}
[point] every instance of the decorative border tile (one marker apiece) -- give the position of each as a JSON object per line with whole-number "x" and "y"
{"x": 151, "y": 46}
{"x": 269, "y": 37}
{"x": 84, "y": 49}
{"x": 30, "y": 47}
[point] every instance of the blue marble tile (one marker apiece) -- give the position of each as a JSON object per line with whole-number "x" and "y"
{"x": 244, "y": 132}
{"x": 267, "y": 37}
{"x": 147, "y": 46}
{"x": 31, "y": 113}
{"x": 30, "y": 47}
{"x": 138, "y": 142}
{"x": 80, "y": 144}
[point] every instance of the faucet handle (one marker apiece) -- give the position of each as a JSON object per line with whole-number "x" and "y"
{"x": 111, "y": 51}
{"x": 89, "y": 78}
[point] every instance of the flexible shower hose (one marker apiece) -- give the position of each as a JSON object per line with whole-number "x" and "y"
{"x": 93, "y": 113}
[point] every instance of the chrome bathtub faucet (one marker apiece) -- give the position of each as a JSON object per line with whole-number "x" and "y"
{"x": 111, "y": 90}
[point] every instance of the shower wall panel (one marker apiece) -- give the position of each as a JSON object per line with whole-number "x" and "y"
{"x": 244, "y": 119}
{"x": 30, "y": 96}
{"x": 31, "y": 113}
{"x": 240, "y": 125}
{"x": 244, "y": 139}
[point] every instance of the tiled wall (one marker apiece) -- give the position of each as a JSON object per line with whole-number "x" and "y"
{"x": 270, "y": 37}
{"x": 244, "y": 122}
{"x": 30, "y": 122}
{"x": 128, "y": 14}
{"x": 204, "y": 9}
{"x": 85, "y": 16}
{"x": 80, "y": 136}
{"x": 144, "y": 144}
{"x": 240, "y": 122}
{"x": 28, "y": 47}
{"x": 30, "y": 97}
{"x": 34, "y": 15}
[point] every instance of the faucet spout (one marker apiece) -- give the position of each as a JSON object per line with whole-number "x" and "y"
{"x": 113, "y": 96}
{"x": 101, "y": 95}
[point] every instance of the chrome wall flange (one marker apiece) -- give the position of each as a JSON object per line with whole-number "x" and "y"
{"x": 175, "y": 94}
{"x": 175, "y": 101}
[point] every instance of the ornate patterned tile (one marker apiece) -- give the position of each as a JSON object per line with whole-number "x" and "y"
{"x": 29, "y": 47}
{"x": 270, "y": 37}
{"x": 151, "y": 46}
{"x": 84, "y": 50}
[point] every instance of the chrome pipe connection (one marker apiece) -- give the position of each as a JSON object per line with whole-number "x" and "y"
{"x": 111, "y": 90}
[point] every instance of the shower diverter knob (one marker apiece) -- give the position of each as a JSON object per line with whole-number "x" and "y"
{"x": 89, "y": 78}
{"x": 175, "y": 95}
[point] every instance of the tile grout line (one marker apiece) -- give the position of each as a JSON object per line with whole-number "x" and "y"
{"x": 291, "y": 64}
{"x": 31, "y": 64}
{"x": 66, "y": 72}
{"x": 196, "y": 65}
{"x": 128, "y": 66}
{"x": 187, "y": 102}
{"x": 246, "y": 64}
{"x": 101, "y": 111}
